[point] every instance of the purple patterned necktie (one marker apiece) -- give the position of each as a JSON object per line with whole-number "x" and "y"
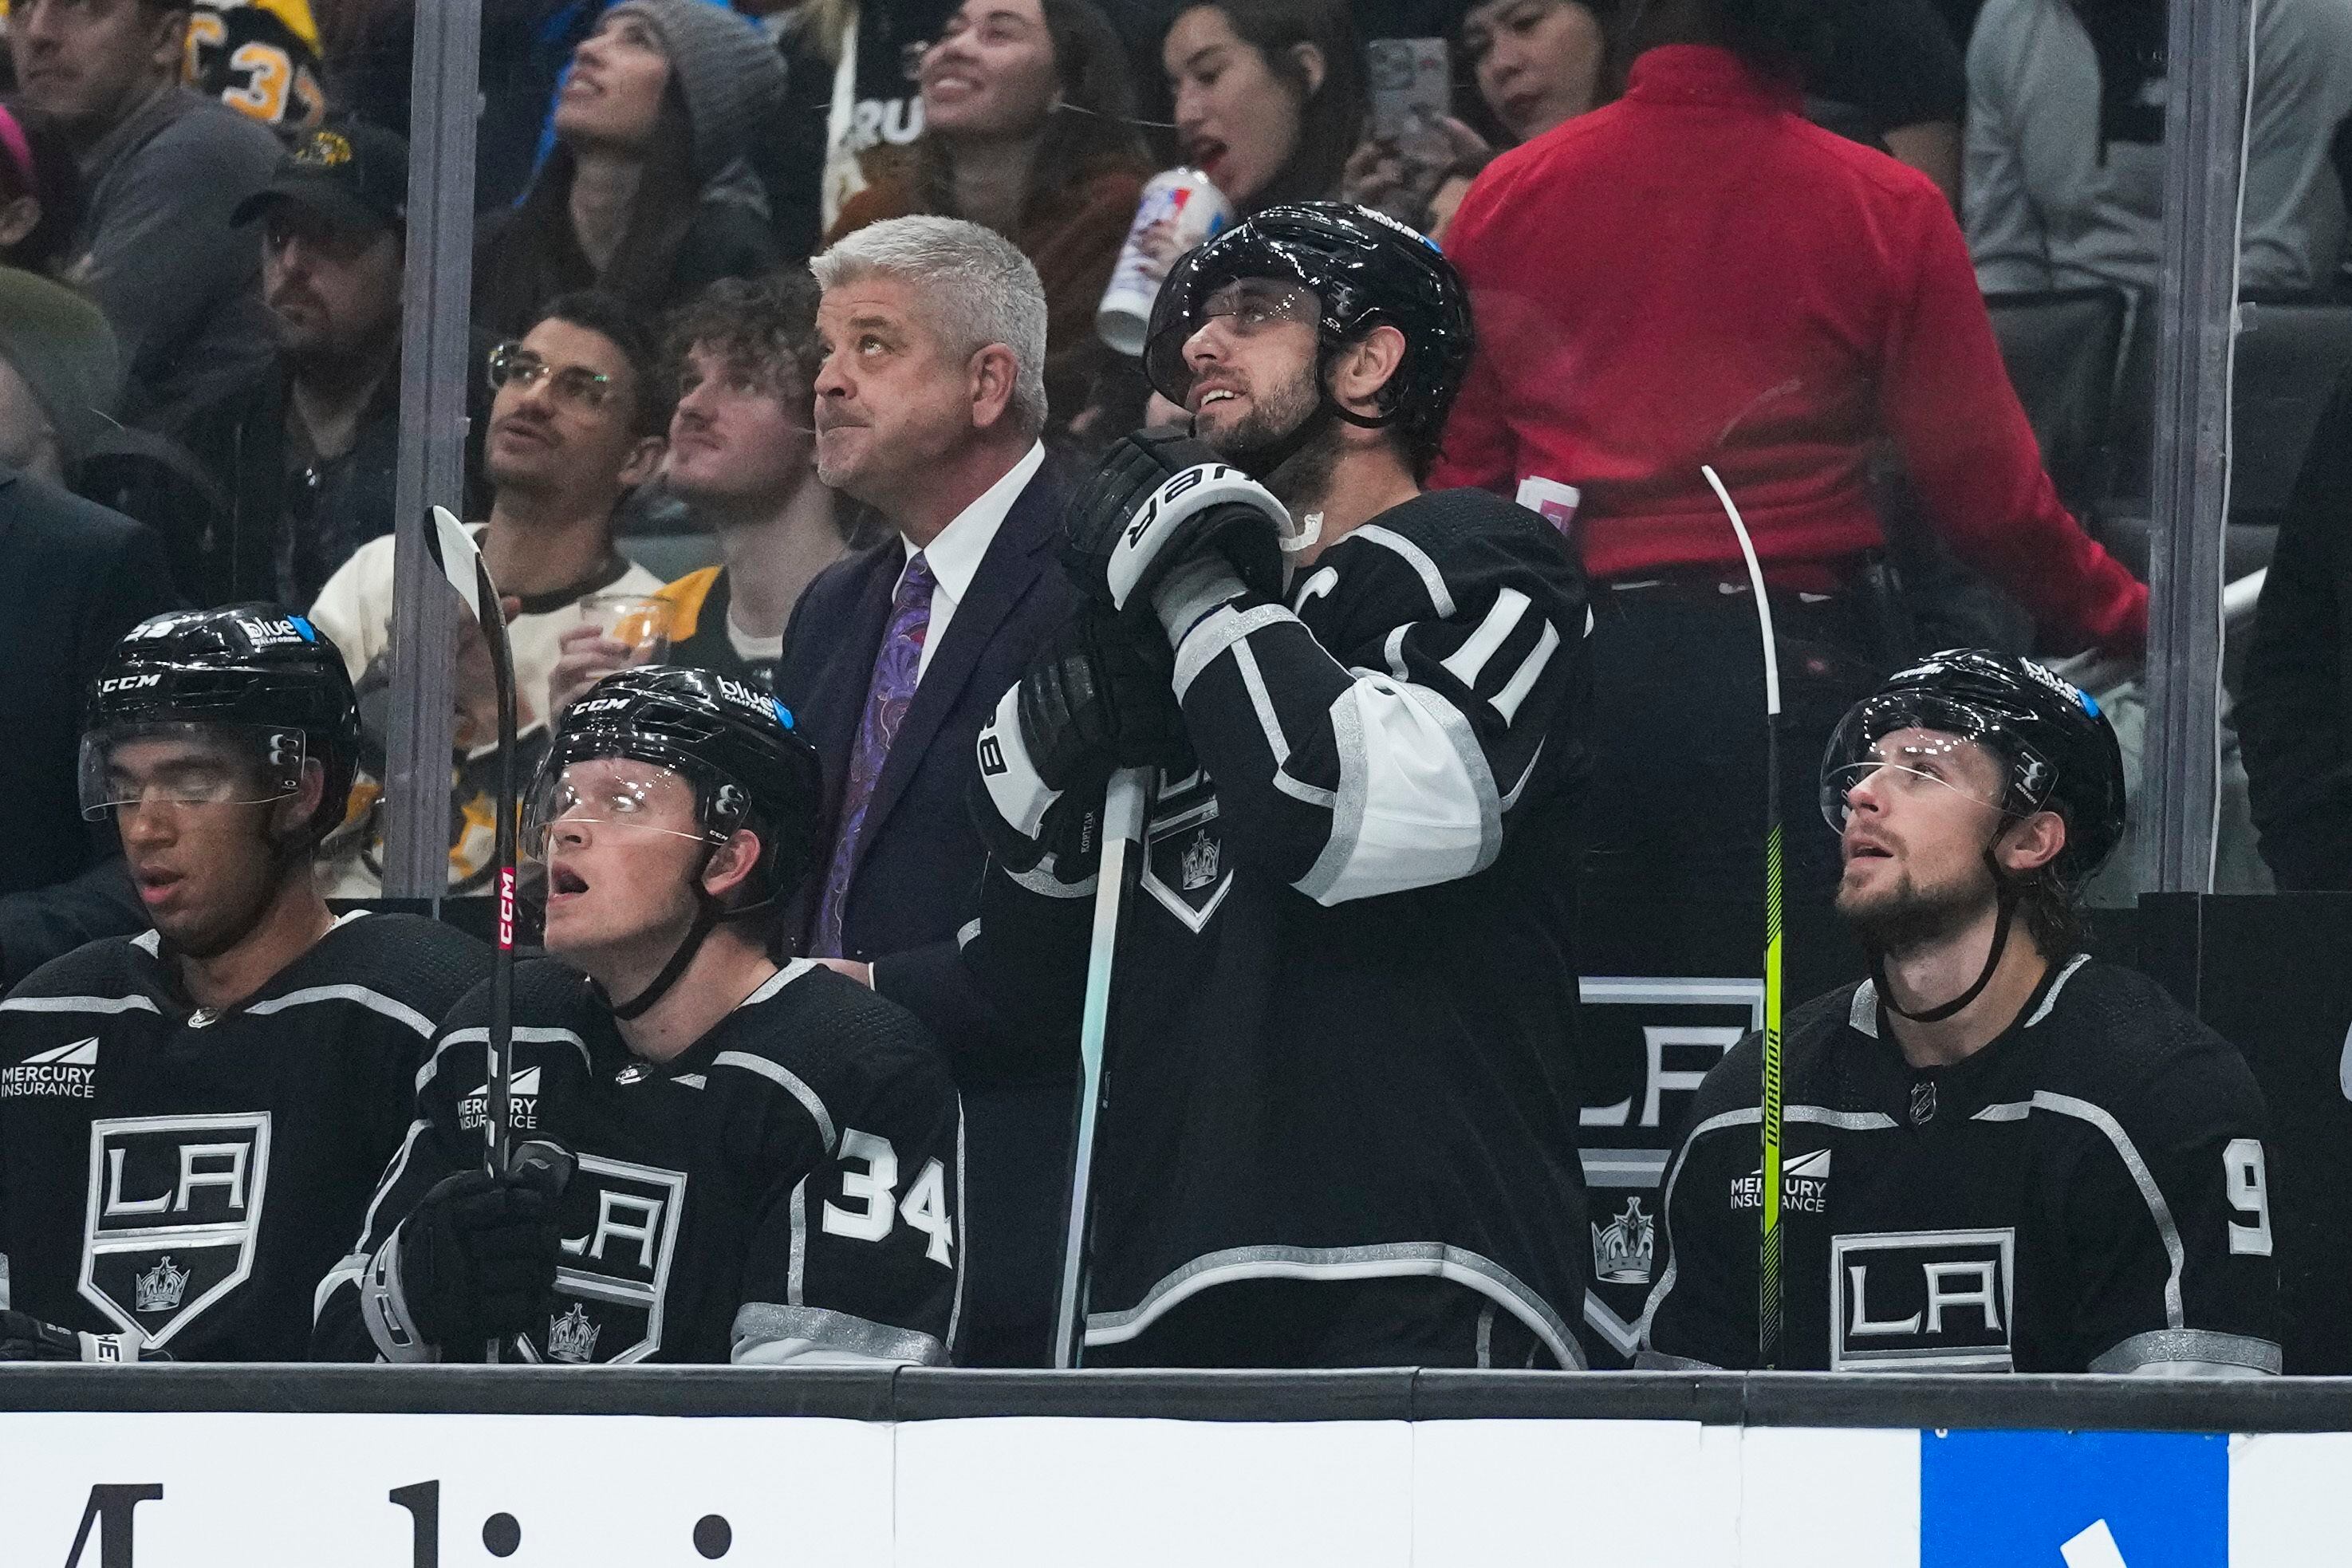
{"x": 895, "y": 669}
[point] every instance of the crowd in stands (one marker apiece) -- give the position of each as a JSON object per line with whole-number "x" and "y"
{"x": 1784, "y": 240}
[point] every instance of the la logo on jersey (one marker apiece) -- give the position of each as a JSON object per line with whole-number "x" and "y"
{"x": 67, "y": 1072}
{"x": 174, "y": 1209}
{"x": 620, "y": 1224}
{"x": 1922, "y": 1300}
{"x": 522, "y": 1104}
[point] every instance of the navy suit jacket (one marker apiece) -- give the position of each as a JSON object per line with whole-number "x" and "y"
{"x": 915, "y": 880}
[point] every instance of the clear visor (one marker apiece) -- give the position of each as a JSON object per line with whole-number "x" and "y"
{"x": 603, "y": 793}
{"x": 1905, "y": 746}
{"x": 185, "y": 765}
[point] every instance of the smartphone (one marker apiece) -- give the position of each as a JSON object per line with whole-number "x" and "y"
{"x": 1554, "y": 503}
{"x": 1411, "y": 86}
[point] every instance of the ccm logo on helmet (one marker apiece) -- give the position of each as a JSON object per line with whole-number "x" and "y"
{"x": 600, "y": 704}
{"x": 129, "y": 683}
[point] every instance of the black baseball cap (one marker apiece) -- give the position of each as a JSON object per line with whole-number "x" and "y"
{"x": 354, "y": 174}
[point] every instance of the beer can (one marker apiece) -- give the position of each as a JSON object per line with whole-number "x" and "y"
{"x": 1180, "y": 209}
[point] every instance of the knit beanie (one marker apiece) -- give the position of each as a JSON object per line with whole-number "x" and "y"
{"x": 727, "y": 69}
{"x": 60, "y": 344}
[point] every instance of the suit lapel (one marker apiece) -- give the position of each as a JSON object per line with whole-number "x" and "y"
{"x": 1016, "y": 557}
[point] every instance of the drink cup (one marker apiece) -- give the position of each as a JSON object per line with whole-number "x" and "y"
{"x": 1180, "y": 210}
{"x": 638, "y": 620}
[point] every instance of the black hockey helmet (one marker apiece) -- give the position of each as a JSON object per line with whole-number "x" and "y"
{"x": 1364, "y": 269}
{"x": 2059, "y": 750}
{"x": 265, "y": 680}
{"x": 731, "y": 740}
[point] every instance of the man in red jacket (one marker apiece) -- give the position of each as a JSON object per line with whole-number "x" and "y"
{"x": 1695, "y": 275}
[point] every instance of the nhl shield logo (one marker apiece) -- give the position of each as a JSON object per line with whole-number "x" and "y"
{"x": 1183, "y": 854}
{"x": 620, "y": 1224}
{"x": 172, "y": 1214}
{"x": 1622, "y": 1251}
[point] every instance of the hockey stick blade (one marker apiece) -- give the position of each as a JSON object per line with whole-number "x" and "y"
{"x": 1122, "y": 831}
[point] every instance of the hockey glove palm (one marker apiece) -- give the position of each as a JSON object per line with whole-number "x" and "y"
{"x": 1160, "y": 501}
{"x": 477, "y": 1257}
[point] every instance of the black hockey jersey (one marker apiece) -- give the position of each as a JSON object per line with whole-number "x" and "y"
{"x": 194, "y": 1174}
{"x": 787, "y": 1189}
{"x": 1342, "y": 1041}
{"x": 2087, "y": 1192}
{"x": 258, "y": 56}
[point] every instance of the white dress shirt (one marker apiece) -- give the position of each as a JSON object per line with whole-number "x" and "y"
{"x": 954, "y": 556}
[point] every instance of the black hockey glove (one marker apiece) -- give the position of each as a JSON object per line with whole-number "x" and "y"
{"x": 477, "y": 1256}
{"x": 24, "y": 1337}
{"x": 1160, "y": 500}
{"x": 1096, "y": 698}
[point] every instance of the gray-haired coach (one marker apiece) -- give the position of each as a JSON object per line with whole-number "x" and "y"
{"x": 929, "y": 398}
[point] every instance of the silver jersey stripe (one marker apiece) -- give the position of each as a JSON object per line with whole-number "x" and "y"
{"x": 2206, "y": 1345}
{"x": 791, "y": 1083}
{"x": 79, "y": 1005}
{"x": 2051, "y": 1000}
{"x": 1347, "y": 803}
{"x": 479, "y": 1035}
{"x": 766, "y": 1325}
{"x": 961, "y": 1254}
{"x": 399, "y": 1012}
{"x": 1403, "y": 1259}
{"x": 392, "y": 1172}
{"x": 1862, "y": 1017}
{"x": 1218, "y": 631}
{"x": 1659, "y": 1361}
{"x": 796, "y": 1269}
{"x": 1441, "y": 598}
{"x": 1261, "y": 699}
{"x": 350, "y": 1271}
{"x": 779, "y": 980}
{"x": 1752, "y": 1115}
{"x": 2157, "y": 1209}
{"x": 1040, "y": 879}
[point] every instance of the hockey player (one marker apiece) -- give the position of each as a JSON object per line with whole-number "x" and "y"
{"x": 769, "y": 1159}
{"x": 191, "y": 1120}
{"x": 2001, "y": 1154}
{"x": 1341, "y": 1123}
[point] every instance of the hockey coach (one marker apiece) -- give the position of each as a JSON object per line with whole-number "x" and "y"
{"x": 2001, "y": 1154}
{"x": 1340, "y": 1129}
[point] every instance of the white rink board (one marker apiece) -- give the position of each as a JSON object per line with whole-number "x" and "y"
{"x": 304, "y": 1491}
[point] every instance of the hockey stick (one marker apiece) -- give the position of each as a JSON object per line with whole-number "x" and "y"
{"x": 461, "y": 561}
{"x": 1122, "y": 831}
{"x": 1767, "y": 1292}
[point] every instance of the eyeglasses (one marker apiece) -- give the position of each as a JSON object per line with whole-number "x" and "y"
{"x": 573, "y": 385}
{"x": 1250, "y": 306}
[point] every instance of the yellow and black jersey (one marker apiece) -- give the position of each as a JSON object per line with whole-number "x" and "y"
{"x": 260, "y": 57}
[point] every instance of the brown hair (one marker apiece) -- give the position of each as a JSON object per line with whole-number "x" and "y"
{"x": 1090, "y": 129}
{"x": 1331, "y": 117}
{"x": 537, "y": 254}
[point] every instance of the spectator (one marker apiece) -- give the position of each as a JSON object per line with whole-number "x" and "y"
{"x": 575, "y": 425}
{"x": 261, "y": 57}
{"x": 40, "y": 192}
{"x": 162, "y": 168}
{"x": 73, "y": 578}
{"x": 2065, "y": 154}
{"x": 2294, "y": 701}
{"x": 928, "y": 406}
{"x": 1890, "y": 76}
{"x": 1679, "y": 321}
{"x": 304, "y": 450}
{"x": 1269, "y": 97}
{"x": 60, "y": 376}
{"x": 645, "y": 197}
{"x": 742, "y": 458}
{"x": 850, "y": 91}
{"x": 1026, "y": 114}
{"x": 1536, "y": 62}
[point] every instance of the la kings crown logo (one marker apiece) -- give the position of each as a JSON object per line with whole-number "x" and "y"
{"x": 1183, "y": 850}
{"x": 620, "y": 1224}
{"x": 173, "y": 1215}
{"x": 1622, "y": 1250}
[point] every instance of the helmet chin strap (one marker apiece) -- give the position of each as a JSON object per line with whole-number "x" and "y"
{"x": 2006, "y": 898}
{"x": 707, "y": 914}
